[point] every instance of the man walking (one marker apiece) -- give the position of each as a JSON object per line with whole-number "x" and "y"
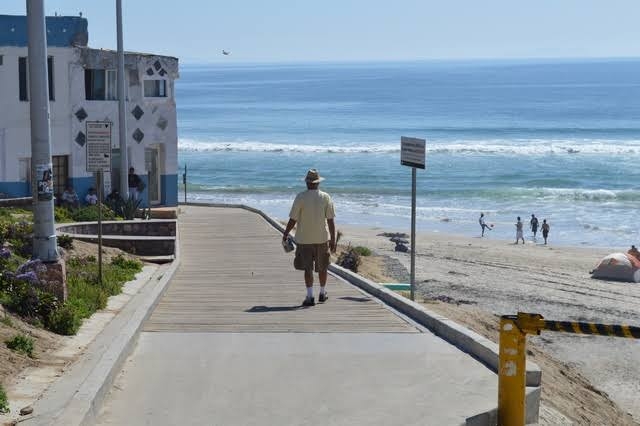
{"x": 313, "y": 213}
{"x": 534, "y": 225}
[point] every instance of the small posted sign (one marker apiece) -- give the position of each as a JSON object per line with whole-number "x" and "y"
{"x": 412, "y": 152}
{"x": 98, "y": 146}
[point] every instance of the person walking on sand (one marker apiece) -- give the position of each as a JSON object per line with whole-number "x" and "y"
{"x": 313, "y": 212}
{"x": 519, "y": 232}
{"x": 534, "y": 225}
{"x": 545, "y": 230}
{"x": 483, "y": 225}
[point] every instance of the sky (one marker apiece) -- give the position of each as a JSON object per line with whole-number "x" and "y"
{"x": 359, "y": 30}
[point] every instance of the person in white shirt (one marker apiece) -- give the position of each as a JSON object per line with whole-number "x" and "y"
{"x": 313, "y": 213}
{"x": 70, "y": 197}
{"x": 91, "y": 198}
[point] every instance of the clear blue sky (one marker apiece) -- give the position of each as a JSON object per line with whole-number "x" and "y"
{"x": 356, "y": 30}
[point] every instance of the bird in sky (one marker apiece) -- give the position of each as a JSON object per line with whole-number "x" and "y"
{"x": 225, "y": 52}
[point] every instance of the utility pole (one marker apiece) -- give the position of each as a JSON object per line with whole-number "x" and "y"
{"x": 44, "y": 234}
{"x": 122, "y": 119}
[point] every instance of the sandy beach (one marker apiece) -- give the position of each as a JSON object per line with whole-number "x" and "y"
{"x": 483, "y": 275}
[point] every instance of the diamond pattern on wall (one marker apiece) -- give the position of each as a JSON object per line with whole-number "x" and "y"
{"x": 157, "y": 65}
{"x": 162, "y": 123}
{"x": 138, "y": 135}
{"x": 149, "y": 71}
{"x": 80, "y": 139}
{"x": 137, "y": 112}
{"x": 81, "y": 114}
{"x": 162, "y": 72}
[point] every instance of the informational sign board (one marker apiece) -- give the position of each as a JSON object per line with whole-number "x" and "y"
{"x": 412, "y": 152}
{"x": 99, "y": 146}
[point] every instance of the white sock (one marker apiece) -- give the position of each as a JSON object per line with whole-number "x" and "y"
{"x": 309, "y": 291}
{"x": 322, "y": 290}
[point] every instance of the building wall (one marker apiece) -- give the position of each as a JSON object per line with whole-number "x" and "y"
{"x": 70, "y": 111}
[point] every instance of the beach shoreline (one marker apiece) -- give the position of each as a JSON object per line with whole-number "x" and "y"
{"x": 497, "y": 277}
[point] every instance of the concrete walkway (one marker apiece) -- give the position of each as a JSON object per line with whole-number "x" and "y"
{"x": 229, "y": 344}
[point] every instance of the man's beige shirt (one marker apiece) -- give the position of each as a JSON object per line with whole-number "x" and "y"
{"x": 310, "y": 210}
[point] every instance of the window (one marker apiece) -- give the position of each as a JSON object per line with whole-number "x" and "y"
{"x": 100, "y": 85}
{"x": 23, "y": 78}
{"x": 60, "y": 173}
{"x": 155, "y": 88}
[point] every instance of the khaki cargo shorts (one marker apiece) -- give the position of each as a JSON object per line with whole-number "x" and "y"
{"x": 309, "y": 254}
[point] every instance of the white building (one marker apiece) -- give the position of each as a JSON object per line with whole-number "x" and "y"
{"x": 82, "y": 87}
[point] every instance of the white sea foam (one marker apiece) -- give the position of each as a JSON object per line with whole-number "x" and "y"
{"x": 494, "y": 146}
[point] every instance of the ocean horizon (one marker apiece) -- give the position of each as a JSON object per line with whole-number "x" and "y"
{"x": 556, "y": 138}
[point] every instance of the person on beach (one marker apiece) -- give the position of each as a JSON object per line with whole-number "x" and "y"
{"x": 313, "y": 212}
{"x": 519, "y": 231}
{"x": 633, "y": 251}
{"x": 483, "y": 225}
{"x": 545, "y": 230}
{"x": 534, "y": 225}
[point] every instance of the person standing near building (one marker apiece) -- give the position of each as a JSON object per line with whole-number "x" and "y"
{"x": 134, "y": 183}
{"x": 519, "y": 231}
{"x": 534, "y": 225}
{"x": 545, "y": 230}
{"x": 313, "y": 213}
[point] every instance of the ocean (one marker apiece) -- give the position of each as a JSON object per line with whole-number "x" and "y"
{"x": 559, "y": 139}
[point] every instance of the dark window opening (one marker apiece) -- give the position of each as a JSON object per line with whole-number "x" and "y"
{"x": 60, "y": 173}
{"x": 100, "y": 85}
{"x": 23, "y": 78}
{"x": 155, "y": 88}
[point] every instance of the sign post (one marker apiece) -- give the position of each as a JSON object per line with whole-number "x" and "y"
{"x": 98, "y": 162}
{"x": 412, "y": 154}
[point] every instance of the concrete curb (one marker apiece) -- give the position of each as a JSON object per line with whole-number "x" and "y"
{"x": 470, "y": 342}
{"x": 77, "y": 398}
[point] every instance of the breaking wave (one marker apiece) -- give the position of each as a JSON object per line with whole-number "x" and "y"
{"x": 497, "y": 146}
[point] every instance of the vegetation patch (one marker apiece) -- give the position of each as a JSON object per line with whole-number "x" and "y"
{"x": 4, "y": 403}
{"x": 362, "y": 251}
{"x": 22, "y": 344}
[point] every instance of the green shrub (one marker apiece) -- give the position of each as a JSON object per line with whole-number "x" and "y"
{"x": 62, "y": 215}
{"x": 30, "y": 302}
{"x": 125, "y": 263}
{"x": 90, "y": 214}
{"x": 362, "y": 251}
{"x": 4, "y": 403}
{"x": 129, "y": 208}
{"x": 65, "y": 241}
{"x": 65, "y": 321}
{"x": 6, "y": 320}
{"x": 22, "y": 344}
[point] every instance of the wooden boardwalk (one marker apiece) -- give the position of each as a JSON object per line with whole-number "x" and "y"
{"x": 235, "y": 277}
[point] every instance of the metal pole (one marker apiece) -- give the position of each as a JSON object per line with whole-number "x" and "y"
{"x": 44, "y": 234}
{"x": 122, "y": 119}
{"x": 413, "y": 232}
{"x": 100, "y": 185}
{"x": 511, "y": 374}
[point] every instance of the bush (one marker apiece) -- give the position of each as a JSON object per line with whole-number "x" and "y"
{"x": 362, "y": 251}
{"x": 90, "y": 214}
{"x": 349, "y": 259}
{"x": 4, "y": 403}
{"x": 21, "y": 343}
{"x": 65, "y": 321}
{"x": 65, "y": 241}
{"x": 62, "y": 215}
{"x": 125, "y": 263}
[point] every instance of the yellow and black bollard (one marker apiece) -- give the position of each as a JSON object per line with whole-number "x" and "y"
{"x": 513, "y": 358}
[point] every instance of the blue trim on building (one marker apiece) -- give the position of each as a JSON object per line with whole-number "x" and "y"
{"x": 169, "y": 185}
{"x": 15, "y": 189}
{"x": 82, "y": 185}
{"x": 62, "y": 31}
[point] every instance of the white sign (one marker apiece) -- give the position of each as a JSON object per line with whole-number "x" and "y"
{"x": 98, "y": 146}
{"x": 412, "y": 152}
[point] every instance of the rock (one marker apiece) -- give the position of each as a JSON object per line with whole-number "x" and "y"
{"x": 26, "y": 410}
{"x": 401, "y": 248}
